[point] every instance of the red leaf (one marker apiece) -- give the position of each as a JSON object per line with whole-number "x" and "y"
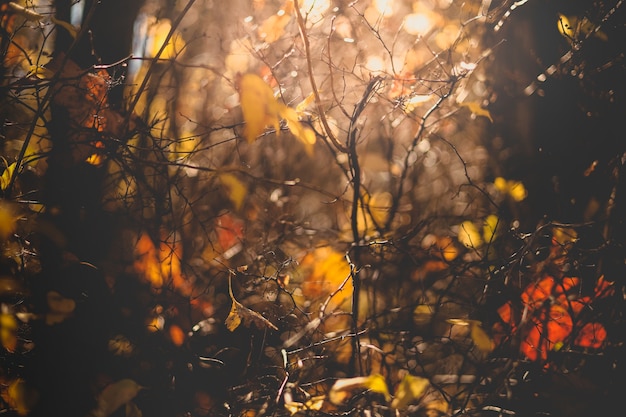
{"x": 592, "y": 335}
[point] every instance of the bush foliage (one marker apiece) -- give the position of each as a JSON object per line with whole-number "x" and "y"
{"x": 311, "y": 207}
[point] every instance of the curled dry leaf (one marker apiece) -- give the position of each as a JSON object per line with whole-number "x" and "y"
{"x": 344, "y": 388}
{"x": 410, "y": 390}
{"x": 114, "y": 396}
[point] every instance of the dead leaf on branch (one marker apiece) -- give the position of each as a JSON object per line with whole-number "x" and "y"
{"x": 261, "y": 109}
{"x": 242, "y": 314}
{"x": 83, "y": 96}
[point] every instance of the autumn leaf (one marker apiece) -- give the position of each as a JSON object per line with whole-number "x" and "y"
{"x": 477, "y": 109}
{"x": 514, "y": 189}
{"x": 59, "y": 308}
{"x": 241, "y": 314}
{"x": 5, "y": 178}
{"x": 19, "y": 397}
{"x": 344, "y": 388}
{"x": 274, "y": 26}
{"x": 481, "y": 339}
{"x": 572, "y": 27}
{"x": 8, "y": 331}
{"x": 314, "y": 404}
{"x": 73, "y": 31}
{"x": 8, "y": 220}
{"x": 410, "y": 390}
{"x": 235, "y": 189}
{"x": 115, "y": 395}
{"x": 27, "y": 14}
{"x": 259, "y": 106}
{"x": 592, "y": 335}
{"x": 261, "y": 109}
{"x": 157, "y": 34}
{"x": 328, "y": 272}
{"x": 234, "y": 319}
{"x": 469, "y": 236}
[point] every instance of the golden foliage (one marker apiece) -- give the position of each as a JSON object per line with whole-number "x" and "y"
{"x": 241, "y": 314}
{"x": 274, "y": 26}
{"x": 328, "y": 273}
{"x": 235, "y": 189}
{"x": 261, "y": 109}
{"x": 410, "y": 390}
{"x": 344, "y": 388}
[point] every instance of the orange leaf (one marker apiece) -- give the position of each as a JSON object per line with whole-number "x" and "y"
{"x": 592, "y": 335}
{"x": 534, "y": 346}
{"x": 559, "y": 324}
{"x": 603, "y": 288}
{"x": 506, "y": 314}
{"x": 177, "y": 335}
{"x": 537, "y": 292}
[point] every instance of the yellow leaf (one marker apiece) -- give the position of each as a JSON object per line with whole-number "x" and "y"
{"x": 233, "y": 320}
{"x": 18, "y": 398}
{"x": 258, "y": 105}
{"x": 477, "y": 109}
{"x": 481, "y": 340}
{"x": 343, "y": 388}
{"x": 490, "y": 228}
{"x": 572, "y": 27}
{"x": 25, "y": 13}
{"x": 235, "y": 189}
{"x": 157, "y": 33}
{"x": 410, "y": 390}
{"x": 274, "y": 26}
{"x": 240, "y": 313}
{"x": 314, "y": 403}
{"x": 515, "y": 189}
{"x": 8, "y": 218}
{"x": 328, "y": 271}
{"x": 308, "y": 100}
{"x": 422, "y": 314}
{"x": 5, "y": 179}
{"x": 8, "y": 331}
{"x": 40, "y": 72}
{"x": 302, "y": 133}
{"x": 65, "y": 25}
{"x": 469, "y": 235}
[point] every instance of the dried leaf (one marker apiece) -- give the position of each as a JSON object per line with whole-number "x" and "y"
{"x": 8, "y": 331}
{"x": 235, "y": 189}
{"x": 241, "y": 314}
{"x": 27, "y": 14}
{"x": 114, "y": 396}
{"x": 592, "y": 335}
{"x": 314, "y": 403}
{"x": 273, "y": 28}
{"x": 8, "y": 220}
{"x": 18, "y": 397}
{"x": 5, "y": 179}
{"x": 477, "y": 109}
{"x": 234, "y": 319}
{"x": 481, "y": 339}
{"x": 302, "y": 133}
{"x": 261, "y": 109}
{"x": 515, "y": 189}
{"x": 344, "y": 388}
{"x": 73, "y": 31}
{"x": 409, "y": 391}
{"x": 59, "y": 308}
{"x": 469, "y": 235}
{"x": 259, "y": 106}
